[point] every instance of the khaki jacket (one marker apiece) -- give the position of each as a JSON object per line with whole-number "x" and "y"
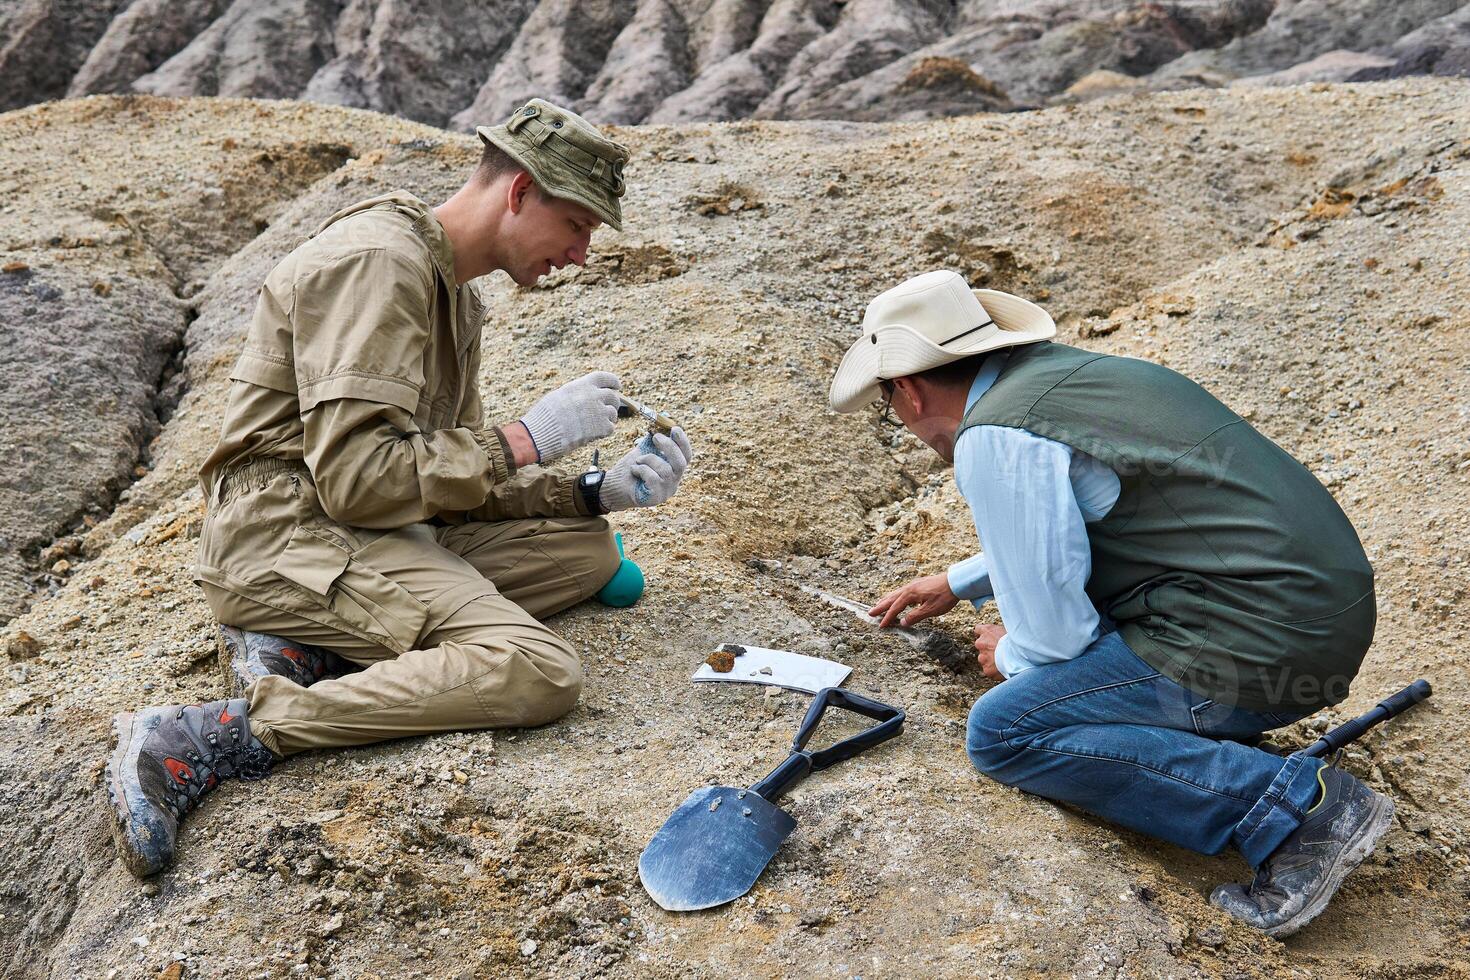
{"x": 354, "y": 417}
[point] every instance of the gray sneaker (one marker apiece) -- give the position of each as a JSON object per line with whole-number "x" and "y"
{"x": 166, "y": 759}
{"x": 246, "y": 657}
{"x": 1300, "y": 877}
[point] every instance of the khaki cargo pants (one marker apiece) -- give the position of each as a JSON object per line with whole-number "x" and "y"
{"x": 444, "y": 619}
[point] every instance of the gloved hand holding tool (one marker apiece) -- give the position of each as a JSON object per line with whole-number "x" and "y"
{"x": 657, "y": 421}
{"x": 649, "y": 474}
{"x": 573, "y": 415}
{"x": 720, "y": 839}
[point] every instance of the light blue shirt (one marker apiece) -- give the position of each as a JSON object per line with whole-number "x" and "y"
{"x": 1031, "y": 499}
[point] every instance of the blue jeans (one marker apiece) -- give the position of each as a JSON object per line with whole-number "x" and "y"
{"x": 1108, "y": 733}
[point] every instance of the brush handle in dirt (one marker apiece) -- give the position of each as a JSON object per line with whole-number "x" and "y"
{"x": 802, "y": 763}
{"x": 1352, "y": 730}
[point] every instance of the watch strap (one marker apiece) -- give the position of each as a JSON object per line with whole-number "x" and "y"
{"x": 591, "y": 491}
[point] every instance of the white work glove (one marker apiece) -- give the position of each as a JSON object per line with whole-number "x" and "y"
{"x": 649, "y": 474}
{"x": 573, "y": 415}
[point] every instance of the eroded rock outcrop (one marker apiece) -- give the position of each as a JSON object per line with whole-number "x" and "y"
{"x": 416, "y": 60}
{"x": 143, "y": 35}
{"x": 44, "y": 42}
{"x": 676, "y": 61}
{"x": 1299, "y": 30}
{"x": 1440, "y": 47}
{"x": 266, "y": 49}
{"x": 555, "y": 55}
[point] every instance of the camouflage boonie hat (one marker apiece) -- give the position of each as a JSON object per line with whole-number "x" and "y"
{"x": 565, "y": 155}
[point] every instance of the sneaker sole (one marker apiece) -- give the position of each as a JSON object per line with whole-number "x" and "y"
{"x": 1355, "y": 853}
{"x": 125, "y": 754}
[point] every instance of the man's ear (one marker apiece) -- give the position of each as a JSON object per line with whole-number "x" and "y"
{"x": 520, "y": 186}
{"x": 913, "y": 391}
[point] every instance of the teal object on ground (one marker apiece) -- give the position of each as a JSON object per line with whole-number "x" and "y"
{"x": 626, "y": 585}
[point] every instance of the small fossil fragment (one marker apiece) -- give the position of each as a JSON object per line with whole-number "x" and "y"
{"x": 722, "y": 661}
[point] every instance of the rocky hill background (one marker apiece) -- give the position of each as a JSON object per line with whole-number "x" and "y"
{"x": 1299, "y": 251}
{"x": 458, "y": 63}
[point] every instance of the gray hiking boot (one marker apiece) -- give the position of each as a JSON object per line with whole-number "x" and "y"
{"x": 246, "y": 657}
{"x": 166, "y": 759}
{"x": 1300, "y": 877}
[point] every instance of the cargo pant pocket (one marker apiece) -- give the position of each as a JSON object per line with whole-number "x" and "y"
{"x": 343, "y": 583}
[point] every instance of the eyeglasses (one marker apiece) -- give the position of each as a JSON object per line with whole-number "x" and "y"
{"x": 887, "y": 419}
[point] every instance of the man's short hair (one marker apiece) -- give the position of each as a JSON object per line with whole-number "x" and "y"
{"x": 953, "y": 374}
{"x": 493, "y": 163}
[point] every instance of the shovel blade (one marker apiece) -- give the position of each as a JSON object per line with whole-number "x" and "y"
{"x": 713, "y": 848}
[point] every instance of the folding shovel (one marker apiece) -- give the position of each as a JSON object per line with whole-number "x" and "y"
{"x": 714, "y": 847}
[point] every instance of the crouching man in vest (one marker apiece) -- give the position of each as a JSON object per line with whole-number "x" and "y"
{"x": 1171, "y": 582}
{"x": 358, "y": 503}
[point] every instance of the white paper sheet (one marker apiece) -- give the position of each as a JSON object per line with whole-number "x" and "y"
{"x": 777, "y": 668}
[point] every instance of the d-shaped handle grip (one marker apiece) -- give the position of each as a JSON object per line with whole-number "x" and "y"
{"x": 800, "y": 763}
{"x": 890, "y": 724}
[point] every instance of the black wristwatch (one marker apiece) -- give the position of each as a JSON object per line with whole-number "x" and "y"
{"x": 589, "y": 485}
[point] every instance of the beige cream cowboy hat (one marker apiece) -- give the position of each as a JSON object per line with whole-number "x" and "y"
{"x": 927, "y": 321}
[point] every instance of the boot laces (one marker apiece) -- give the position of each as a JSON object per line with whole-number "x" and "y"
{"x": 249, "y": 761}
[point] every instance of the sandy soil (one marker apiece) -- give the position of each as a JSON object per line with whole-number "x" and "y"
{"x": 1301, "y": 252}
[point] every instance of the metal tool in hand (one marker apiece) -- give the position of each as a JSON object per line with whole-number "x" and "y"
{"x": 657, "y": 421}
{"x": 717, "y": 843}
{"x": 1351, "y": 731}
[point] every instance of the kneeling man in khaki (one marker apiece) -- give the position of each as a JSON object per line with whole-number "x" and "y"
{"x": 357, "y": 502}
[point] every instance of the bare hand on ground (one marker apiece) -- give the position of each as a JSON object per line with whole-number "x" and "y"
{"x": 987, "y": 635}
{"x": 929, "y": 595}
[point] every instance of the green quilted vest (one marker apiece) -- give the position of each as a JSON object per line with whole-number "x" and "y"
{"x": 1225, "y": 564}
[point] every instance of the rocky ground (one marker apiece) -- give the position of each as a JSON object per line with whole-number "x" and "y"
{"x": 1300, "y": 251}
{"x": 670, "y": 61}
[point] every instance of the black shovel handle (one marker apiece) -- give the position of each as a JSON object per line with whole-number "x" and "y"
{"x": 802, "y": 763}
{"x": 1352, "y": 730}
{"x": 890, "y": 724}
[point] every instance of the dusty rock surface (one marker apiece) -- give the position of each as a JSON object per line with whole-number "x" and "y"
{"x": 1304, "y": 29}
{"x": 101, "y": 267}
{"x": 81, "y": 401}
{"x": 1300, "y": 251}
{"x": 666, "y": 61}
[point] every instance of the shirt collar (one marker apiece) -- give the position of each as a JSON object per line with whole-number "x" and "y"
{"x": 425, "y": 222}
{"x": 989, "y": 371}
{"x": 437, "y": 239}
